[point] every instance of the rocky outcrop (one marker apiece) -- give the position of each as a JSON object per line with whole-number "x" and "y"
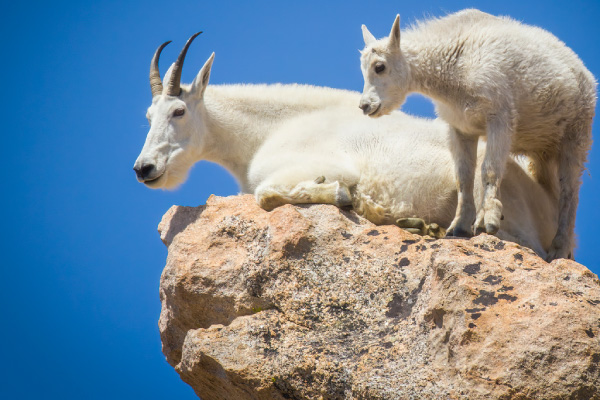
{"x": 313, "y": 302}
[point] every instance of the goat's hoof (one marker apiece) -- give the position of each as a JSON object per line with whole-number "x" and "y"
{"x": 270, "y": 199}
{"x": 343, "y": 197}
{"x": 479, "y": 230}
{"x": 319, "y": 180}
{"x": 416, "y": 223}
{"x": 419, "y": 227}
{"x": 491, "y": 228}
{"x": 436, "y": 231}
{"x": 556, "y": 253}
{"x": 458, "y": 232}
{"x": 560, "y": 248}
{"x": 270, "y": 204}
{"x": 413, "y": 225}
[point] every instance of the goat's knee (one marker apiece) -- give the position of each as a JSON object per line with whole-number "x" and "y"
{"x": 318, "y": 191}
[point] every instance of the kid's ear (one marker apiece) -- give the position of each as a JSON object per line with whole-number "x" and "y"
{"x": 201, "y": 81}
{"x": 394, "y": 43}
{"x": 367, "y": 36}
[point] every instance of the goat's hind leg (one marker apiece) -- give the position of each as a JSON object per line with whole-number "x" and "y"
{"x": 318, "y": 191}
{"x": 572, "y": 156}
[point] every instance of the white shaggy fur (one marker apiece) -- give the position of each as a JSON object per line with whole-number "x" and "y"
{"x": 277, "y": 139}
{"x": 517, "y": 85}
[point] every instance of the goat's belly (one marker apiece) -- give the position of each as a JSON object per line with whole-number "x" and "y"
{"x": 465, "y": 119}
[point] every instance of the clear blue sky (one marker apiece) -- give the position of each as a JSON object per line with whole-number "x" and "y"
{"x": 81, "y": 258}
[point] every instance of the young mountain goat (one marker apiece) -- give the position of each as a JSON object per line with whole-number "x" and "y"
{"x": 277, "y": 139}
{"x": 517, "y": 85}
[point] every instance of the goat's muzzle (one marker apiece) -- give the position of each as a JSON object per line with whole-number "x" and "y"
{"x": 145, "y": 172}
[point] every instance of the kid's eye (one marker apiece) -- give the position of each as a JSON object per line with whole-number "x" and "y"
{"x": 379, "y": 68}
{"x": 179, "y": 112}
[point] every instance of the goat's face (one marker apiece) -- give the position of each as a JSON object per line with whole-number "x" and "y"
{"x": 175, "y": 140}
{"x": 170, "y": 148}
{"x": 385, "y": 72}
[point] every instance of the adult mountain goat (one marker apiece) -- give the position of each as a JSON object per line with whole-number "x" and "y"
{"x": 517, "y": 85}
{"x": 304, "y": 144}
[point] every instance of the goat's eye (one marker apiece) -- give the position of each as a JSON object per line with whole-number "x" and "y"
{"x": 379, "y": 68}
{"x": 179, "y": 112}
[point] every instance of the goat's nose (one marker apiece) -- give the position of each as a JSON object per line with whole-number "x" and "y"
{"x": 143, "y": 171}
{"x": 365, "y": 106}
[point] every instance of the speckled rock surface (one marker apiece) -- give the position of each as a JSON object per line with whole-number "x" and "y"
{"x": 313, "y": 302}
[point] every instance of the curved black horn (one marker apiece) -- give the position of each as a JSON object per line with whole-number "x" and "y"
{"x": 155, "y": 82}
{"x": 173, "y": 88}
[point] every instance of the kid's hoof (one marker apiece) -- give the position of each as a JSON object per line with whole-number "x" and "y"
{"x": 491, "y": 228}
{"x": 555, "y": 254}
{"x": 458, "y": 232}
{"x": 319, "y": 180}
{"x": 559, "y": 248}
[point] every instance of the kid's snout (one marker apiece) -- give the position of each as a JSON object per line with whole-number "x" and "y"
{"x": 369, "y": 107}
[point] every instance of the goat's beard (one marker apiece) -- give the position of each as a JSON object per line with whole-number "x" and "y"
{"x": 176, "y": 173}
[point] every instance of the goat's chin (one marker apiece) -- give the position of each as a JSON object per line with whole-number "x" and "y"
{"x": 381, "y": 111}
{"x": 173, "y": 178}
{"x": 391, "y": 104}
{"x": 166, "y": 182}
{"x": 158, "y": 183}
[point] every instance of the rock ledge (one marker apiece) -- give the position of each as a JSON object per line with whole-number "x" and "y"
{"x": 312, "y": 302}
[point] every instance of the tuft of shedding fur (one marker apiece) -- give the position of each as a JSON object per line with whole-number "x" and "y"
{"x": 517, "y": 85}
{"x": 305, "y": 144}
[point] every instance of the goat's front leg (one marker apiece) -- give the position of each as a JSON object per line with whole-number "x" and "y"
{"x": 464, "y": 153}
{"x": 318, "y": 191}
{"x": 499, "y": 137}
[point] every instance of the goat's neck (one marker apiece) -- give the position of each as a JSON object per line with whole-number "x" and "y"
{"x": 433, "y": 68}
{"x": 237, "y": 125}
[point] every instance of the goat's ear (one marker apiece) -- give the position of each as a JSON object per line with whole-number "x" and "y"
{"x": 201, "y": 81}
{"x": 167, "y": 78}
{"x": 367, "y": 36}
{"x": 394, "y": 43}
